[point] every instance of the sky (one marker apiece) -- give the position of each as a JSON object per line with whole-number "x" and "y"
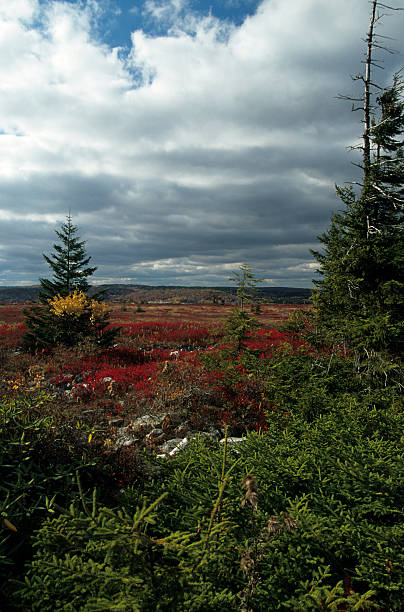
{"x": 185, "y": 137}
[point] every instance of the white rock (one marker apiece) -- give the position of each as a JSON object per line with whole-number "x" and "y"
{"x": 181, "y": 446}
{"x": 233, "y": 440}
{"x": 170, "y": 445}
{"x": 205, "y": 435}
{"x": 148, "y": 421}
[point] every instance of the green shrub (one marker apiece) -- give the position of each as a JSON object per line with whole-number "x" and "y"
{"x": 318, "y": 525}
{"x": 238, "y": 326}
{"x": 27, "y": 480}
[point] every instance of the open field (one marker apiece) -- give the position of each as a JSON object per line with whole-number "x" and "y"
{"x": 156, "y": 365}
{"x": 205, "y": 314}
{"x": 131, "y": 377}
{"x": 271, "y": 314}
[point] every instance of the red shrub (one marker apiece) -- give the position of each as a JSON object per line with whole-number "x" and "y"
{"x": 265, "y": 340}
{"x": 11, "y": 335}
{"x": 167, "y": 333}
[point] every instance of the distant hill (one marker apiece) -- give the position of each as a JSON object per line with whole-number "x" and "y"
{"x": 18, "y": 294}
{"x": 168, "y": 294}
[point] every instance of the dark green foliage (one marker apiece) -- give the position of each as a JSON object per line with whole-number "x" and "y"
{"x": 327, "y": 527}
{"x": 101, "y": 559}
{"x": 26, "y": 479}
{"x": 238, "y": 325}
{"x": 296, "y": 322}
{"x": 302, "y": 382}
{"x": 360, "y": 298}
{"x": 320, "y": 528}
{"x": 42, "y": 328}
{"x": 69, "y": 265}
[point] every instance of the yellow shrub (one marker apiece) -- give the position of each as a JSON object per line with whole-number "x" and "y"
{"x": 74, "y": 304}
{"x": 98, "y": 311}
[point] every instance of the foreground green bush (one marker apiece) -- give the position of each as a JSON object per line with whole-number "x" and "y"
{"x": 29, "y": 478}
{"x": 317, "y": 525}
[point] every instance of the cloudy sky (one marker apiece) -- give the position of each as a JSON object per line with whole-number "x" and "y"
{"x": 185, "y": 136}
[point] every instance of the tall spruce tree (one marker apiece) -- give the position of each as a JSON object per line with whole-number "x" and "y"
{"x": 69, "y": 264}
{"x": 67, "y": 316}
{"x": 360, "y": 296}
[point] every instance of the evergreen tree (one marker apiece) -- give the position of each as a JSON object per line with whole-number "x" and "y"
{"x": 245, "y": 280}
{"x": 360, "y": 296}
{"x": 68, "y": 263}
{"x": 239, "y": 324}
{"x": 67, "y": 316}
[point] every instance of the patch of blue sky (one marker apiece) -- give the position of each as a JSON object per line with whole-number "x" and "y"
{"x": 117, "y": 19}
{"x": 234, "y": 11}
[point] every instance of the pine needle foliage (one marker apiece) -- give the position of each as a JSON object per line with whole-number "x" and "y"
{"x": 307, "y": 516}
{"x": 239, "y": 324}
{"x": 69, "y": 263}
{"x": 360, "y": 296}
{"x": 68, "y": 320}
{"x": 26, "y": 480}
{"x": 246, "y": 281}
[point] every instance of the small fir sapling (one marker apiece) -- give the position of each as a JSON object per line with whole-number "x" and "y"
{"x": 240, "y": 323}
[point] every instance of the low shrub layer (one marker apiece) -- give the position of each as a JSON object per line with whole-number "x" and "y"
{"x": 317, "y": 525}
{"x": 304, "y": 514}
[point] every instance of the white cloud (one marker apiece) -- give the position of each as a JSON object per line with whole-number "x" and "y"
{"x": 7, "y": 215}
{"x": 308, "y": 266}
{"x": 23, "y": 10}
{"x": 165, "y": 10}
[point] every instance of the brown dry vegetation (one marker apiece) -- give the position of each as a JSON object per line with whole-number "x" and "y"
{"x": 271, "y": 314}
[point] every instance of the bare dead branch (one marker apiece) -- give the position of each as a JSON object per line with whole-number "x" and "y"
{"x": 390, "y": 8}
{"x": 343, "y": 97}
